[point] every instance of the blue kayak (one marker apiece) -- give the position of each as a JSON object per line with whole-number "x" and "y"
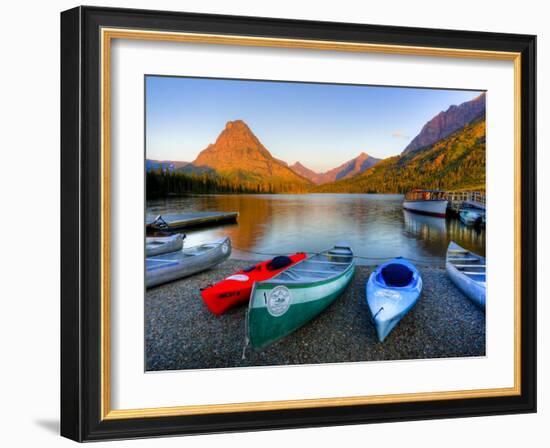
{"x": 392, "y": 290}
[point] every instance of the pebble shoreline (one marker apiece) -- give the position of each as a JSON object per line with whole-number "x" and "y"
{"x": 180, "y": 332}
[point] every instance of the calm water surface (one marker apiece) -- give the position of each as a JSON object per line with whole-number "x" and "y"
{"x": 376, "y": 226}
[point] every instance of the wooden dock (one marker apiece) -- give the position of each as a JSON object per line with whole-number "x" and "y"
{"x": 182, "y": 221}
{"x": 465, "y": 199}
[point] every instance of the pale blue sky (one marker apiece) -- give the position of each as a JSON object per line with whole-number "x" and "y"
{"x": 320, "y": 125}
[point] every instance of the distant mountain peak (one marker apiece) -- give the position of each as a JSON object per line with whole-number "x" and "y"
{"x": 236, "y": 124}
{"x": 353, "y": 167}
{"x": 350, "y": 168}
{"x": 446, "y": 122}
{"x": 305, "y": 172}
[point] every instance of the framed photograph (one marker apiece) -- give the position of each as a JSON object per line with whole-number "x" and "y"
{"x": 273, "y": 223}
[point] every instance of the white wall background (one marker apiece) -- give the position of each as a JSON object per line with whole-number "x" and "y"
{"x": 29, "y": 180}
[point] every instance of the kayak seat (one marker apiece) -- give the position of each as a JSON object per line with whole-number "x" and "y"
{"x": 279, "y": 262}
{"x": 397, "y": 275}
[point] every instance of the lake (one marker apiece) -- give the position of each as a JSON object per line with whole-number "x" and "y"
{"x": 374, "y": 225}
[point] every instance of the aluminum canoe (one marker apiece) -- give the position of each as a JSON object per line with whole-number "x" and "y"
{"x": 467, "y": 270}
{"x": 163, "y": 244}
{"x": 175, "y": 265}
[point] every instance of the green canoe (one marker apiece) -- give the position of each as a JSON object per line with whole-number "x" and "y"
{"x": 292, "y": 298}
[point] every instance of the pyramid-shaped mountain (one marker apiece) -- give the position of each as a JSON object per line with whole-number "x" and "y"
{"x": 239, "y": 157}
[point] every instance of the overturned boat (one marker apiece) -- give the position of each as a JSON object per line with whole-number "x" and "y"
{"x": 183, "y": 263}
{"x": 467, "y": 270}
{"x": 392, "y": 290}
{"x": 292, "y": 298}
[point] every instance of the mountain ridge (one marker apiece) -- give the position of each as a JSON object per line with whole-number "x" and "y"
{"x": 455, "y": 162}
{"x": 446, "y": 122}
{"x": 347, "y": 169}
{"x": 170, "y": 165}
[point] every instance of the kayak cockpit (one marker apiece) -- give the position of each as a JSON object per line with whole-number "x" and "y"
{"x": 395, "y": 275}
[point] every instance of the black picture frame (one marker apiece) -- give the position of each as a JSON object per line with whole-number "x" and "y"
{"x": 81, "y": 204}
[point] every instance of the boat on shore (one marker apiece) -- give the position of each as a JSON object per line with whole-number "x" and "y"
{"x": 426, "y": 202}
{"x": 292, "y": 298}
{"x": 467, "y": 271}
{"x": 183, "y": 263}
{"x": 159, "y": 245}
{"x": 392, "y": 290}
{"x": 235, "y": 289}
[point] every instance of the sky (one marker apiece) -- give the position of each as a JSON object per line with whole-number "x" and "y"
{"x": 319, "y": 125}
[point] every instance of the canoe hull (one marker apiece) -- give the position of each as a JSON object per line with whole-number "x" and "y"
{"x": 469, "y": 288}
{"x": 474, "y": 290}
{"x": 266, "y": 325}
{"x": 178, "y": 266}
{"x": 387, "y": 304}
{"x": 163, "y": 245}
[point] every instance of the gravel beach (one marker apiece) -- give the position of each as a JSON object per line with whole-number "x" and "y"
{"x": 180, "y": 332}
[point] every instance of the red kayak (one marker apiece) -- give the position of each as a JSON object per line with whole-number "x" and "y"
{"x": 236, "y": 288}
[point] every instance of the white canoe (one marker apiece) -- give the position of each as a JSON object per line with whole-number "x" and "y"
{"x": 467, "y": 271}
{"x": 175, "y": 265}
{"x": 163, "y": 244}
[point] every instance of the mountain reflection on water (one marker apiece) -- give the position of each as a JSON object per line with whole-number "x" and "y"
{"x": 374, "y": 225}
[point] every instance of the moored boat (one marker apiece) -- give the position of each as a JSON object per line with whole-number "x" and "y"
{"x": 163, "y": 244}
{"x": 426, "y": 202}
{"x": 175, "y": 265}
{"x": 392, "y": 290}
{"x": 467, "y": 270}
{"x": 292, "y": 298}
{"x": 236, "y": 288}
{"x": 472, "y": 217}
